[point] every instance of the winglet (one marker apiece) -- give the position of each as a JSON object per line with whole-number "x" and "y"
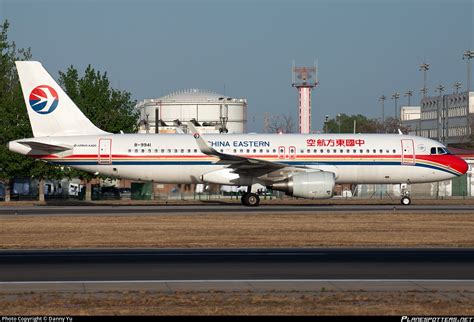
{"x": 202, "y": 144}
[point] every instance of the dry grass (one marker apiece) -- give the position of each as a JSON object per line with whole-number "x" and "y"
{"x": 238, "y": 303}
{"x": 326, "y": 229}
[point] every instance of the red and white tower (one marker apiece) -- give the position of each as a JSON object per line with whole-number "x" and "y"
{"x": 304, "y": 86}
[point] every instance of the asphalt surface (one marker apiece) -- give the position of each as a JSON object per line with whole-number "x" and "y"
{"x": 236, "y": 264}
{"x": 218, "y": 208}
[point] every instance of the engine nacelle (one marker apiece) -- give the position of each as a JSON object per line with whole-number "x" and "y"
{"x": 310, "y": 185}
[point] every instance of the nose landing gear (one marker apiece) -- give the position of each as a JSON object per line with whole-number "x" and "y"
{"x": 406, "y": 200}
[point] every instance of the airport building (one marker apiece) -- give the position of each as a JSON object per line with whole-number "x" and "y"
{"x": 210, "y": 112}
{"x": 445, "y": 118}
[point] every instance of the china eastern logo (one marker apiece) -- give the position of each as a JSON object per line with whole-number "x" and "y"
{"x": 44, "y": 99}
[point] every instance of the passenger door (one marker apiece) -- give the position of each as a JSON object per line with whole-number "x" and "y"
{"x": 408, "y": 152}
{"x": 105, "y": 151}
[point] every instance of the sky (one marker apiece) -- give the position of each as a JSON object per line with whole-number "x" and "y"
{"x": 245, "y": 49}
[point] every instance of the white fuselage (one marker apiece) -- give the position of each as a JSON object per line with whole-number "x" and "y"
{"x": 176, "y": 158}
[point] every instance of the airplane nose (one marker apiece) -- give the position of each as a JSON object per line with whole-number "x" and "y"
{"x": 459, "y": 165}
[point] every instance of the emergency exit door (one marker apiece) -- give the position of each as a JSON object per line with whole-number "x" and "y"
{"x": 105, "y": 151}
{"x": 408, "y": 152}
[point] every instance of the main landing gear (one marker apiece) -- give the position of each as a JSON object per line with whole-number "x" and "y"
{"x": 250, "y": 199}
{"x": 406, "y": 200}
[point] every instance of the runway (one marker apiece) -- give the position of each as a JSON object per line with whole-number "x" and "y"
{"x": 237, "y": 265}
{"x": 221, "y": 208}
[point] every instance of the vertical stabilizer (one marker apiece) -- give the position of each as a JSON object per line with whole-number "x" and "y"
{"x": 51, "y": 111}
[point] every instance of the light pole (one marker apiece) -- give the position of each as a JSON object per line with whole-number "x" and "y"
{"x": 408, "y": 94}
{"x": 326, "y": 124}
{"x": 382, "y": 99}
{"x": 441, "y": 116}
{"x": 468, "y": 55}
{"x": 424, "y": 67}
{"x": 457, "y": 86}
{"x": 339, "y": 121}
{"x": 395, "y": 97}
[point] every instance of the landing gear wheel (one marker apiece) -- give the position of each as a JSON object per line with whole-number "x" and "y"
{"x": 405, "y": 201}
{"x": 251, "y": 200}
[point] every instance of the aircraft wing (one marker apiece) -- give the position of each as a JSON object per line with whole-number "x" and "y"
{"x": 246, "y": 166}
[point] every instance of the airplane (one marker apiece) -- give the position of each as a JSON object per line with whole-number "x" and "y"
{"x": 301, "y": 165}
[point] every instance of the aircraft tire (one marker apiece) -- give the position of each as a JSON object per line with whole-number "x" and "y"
{"x": 251, "y": 200}
{"x": 405, "y": 201}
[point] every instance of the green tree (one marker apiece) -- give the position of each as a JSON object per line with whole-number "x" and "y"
{"x": 109, "y": 109}
{"x": 14, "y": 123}
{"x": 345, "y": 124}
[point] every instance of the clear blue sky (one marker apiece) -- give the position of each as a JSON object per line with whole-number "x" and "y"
{"x": 150, "y": 48}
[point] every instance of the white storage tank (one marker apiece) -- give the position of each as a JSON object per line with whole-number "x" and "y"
{"x": 209, "y": 111}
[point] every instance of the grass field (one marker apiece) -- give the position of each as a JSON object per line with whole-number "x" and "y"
{"x": 386, "y": 229}
{"x": 239, "y": 303}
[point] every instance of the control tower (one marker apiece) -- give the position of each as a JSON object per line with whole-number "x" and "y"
{"x": 304, "y": 79}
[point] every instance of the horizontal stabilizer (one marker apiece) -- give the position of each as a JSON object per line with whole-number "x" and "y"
{"x": 50, "y": 148}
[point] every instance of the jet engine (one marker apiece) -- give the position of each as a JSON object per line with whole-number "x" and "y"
{"x": 310, "y": 185}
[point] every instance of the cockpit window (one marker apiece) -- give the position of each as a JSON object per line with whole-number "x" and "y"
{"x": 439, "y": 150}
{"x": 443, "y": 151}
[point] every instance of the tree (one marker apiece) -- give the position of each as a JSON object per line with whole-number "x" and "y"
{"x": 281, "y": 123}
{"x": 14, "y": 122}
{"x": 109, "y": 109}
{"x": 363, "y": 125}
{"x": 345, "y": 123}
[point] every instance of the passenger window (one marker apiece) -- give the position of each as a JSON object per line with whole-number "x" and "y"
{"x": 195, "y": 150}
{"x": 143, "y": 150}
{"x": 322, "y": 151}
{"x": 162, "y": 150}
{"x": 394, "y": 151}
{"x": 309, "y": 150}
{"x": 169, "y": 150}
{"x": 129, "y": 150}
{"x": 348, "y": 151}
{"x": 368, "y": 151}
{"x": 374, "y": 151}
{"x": 381, "y": 151}
{"x": 136, "y": 150}
{"x": 149, "y": 150}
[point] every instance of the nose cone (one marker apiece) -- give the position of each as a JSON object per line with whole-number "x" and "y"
{"x": 459, "y": 165}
